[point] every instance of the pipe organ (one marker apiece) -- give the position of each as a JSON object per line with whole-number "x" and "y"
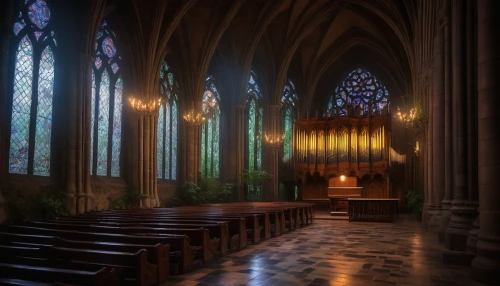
{"x": 342, "y": 144}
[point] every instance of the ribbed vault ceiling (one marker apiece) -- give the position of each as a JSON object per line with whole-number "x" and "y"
{"x": 313, "y": 42}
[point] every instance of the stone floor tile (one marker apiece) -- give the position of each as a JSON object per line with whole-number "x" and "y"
{"x": 337, "y": 252}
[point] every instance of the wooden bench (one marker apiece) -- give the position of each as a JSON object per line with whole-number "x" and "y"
{"x": 198, "y": 236}
{"x": 136, "y": 266}
{"x": 103, "y": 277}
{"x": 237, "y": 235}
{"x": 180, "y": 255}
{"x": 157, "y": 254}
{"x": 17, "y": 282}
{"x": 217, "y": 230}
{"x": 139, "y": 269}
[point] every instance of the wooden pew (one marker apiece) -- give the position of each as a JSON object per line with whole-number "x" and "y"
{"x": 17, "y": 282}
{"x": 136, "y": 265}
{"x": 139, "y": 269}
{"x": 51, "y": 275}
{"x": 157, "y": 254}
{"x": 198, "y": 236}
{"x": 178, "y": 243}
{"x": 251, "y": 220}
{"x": 6, "y": 237}
{"x": 217, "y": 230}
{"x": 34, "y": 256}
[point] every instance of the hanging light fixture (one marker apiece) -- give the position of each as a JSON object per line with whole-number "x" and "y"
{"x": 274, "y": 140}
{"x": 145, "y": 106}
{"x": 194, "y": 118}
{"x": 410, "y": 115}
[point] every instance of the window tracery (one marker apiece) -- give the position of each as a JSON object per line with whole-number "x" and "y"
{"x": 167, "y": 126}
{"x": 33, "y": 90}
{"x": 210, "y": 130}
{"x": 107, "y": 93}
{"x": 360, "y": 89}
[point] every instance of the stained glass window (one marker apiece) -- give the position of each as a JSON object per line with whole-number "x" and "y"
{"x": 107, "y": 93}
{"x": 254, "y": 115}
{"x": 359, "y": 90}
{"x": 32, "y": 93}
{"x": 210, "y": 131}
{"x": 289, "y": 103}
{"x": 166, "y": 151}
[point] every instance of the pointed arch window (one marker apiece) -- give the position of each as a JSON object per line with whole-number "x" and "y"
{"x": 255, "y": 113}
{"x": 359, "y": 89}
{"x": 210, "y": 130}
{"x": 167, "y": 126}
{"x": 106, "y": 119}
{"x": 289, "y": 103}
{"x": 32, "y": 90}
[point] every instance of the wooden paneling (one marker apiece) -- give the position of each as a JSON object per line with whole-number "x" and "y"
{"x": 348, "y": 182}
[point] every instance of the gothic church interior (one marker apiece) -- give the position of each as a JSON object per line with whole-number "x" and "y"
{"x": 288, "y": 113}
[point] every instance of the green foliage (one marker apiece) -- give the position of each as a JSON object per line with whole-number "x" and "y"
{"x": 209, "y": 190}
{"x": 42, "y": 206}
{"x": 255, "y": 180}
{"x": 53, "y": 205}
{"x": 225, "y": 192}
{"x": 256, "y": 177}
{"x": 415, "y": 201}
{"x": 130, "y": 200}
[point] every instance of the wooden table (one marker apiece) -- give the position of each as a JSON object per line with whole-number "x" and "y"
{"x": 370, "y": 209}
{"x": 338, "y": 196}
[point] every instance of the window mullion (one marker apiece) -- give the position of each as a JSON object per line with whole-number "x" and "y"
{"x": 97, "y": 79}
{"x": 112, "y": 85}
{"x": 169, "y": 135}
{"x": 33, "y": 111}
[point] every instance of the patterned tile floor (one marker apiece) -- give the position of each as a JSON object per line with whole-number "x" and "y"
{"x": 336, "y": 252}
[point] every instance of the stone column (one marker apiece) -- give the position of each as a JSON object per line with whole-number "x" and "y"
{"x": 448, "y": 156}
{"x": 5, "y": 40}
{"x": 472, "y": 122}
{"x": 240, "y": 150}
{"x": 148, "y": 175}
{"x": 85, "y": 191}
{"x": 438, "y": 125}
{"x": 432, "y": 212}
{"x": 485, "y": 266}
{"x": 460, "y": 221}
{"x": 273, "y": 130}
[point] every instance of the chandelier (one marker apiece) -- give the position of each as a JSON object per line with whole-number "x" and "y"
{"x": 145, "y": 106}
{"x": 274, "y": 141}
{"x": 193, "y": 118}
{"x": 410, "y": 116}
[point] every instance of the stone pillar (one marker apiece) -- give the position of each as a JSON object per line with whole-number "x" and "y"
{"x": 448, "y": 158}
{"x": 273, "y": 130}
{"x": 472, "y": 122}
{"x": 432, "y": 209}
{"x": 240, "y": 150}
{"x": 485, "y": 266}
{"x": 438, "y": 125}
{"x": 426, "y": 153}
{"x": 74, "y": 205}
{"x": 462, "y": 213}
{"x": 147, "y": 175}
{"x": 6, "y": 13}
{"x": 86, "y": 62}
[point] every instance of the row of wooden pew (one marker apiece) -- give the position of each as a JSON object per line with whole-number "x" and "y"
{"x": 140, "y": 246}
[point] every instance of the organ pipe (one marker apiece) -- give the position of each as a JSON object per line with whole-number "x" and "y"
{"x": 318, "y": 147}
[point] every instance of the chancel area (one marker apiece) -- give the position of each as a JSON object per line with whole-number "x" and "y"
{"x": 249, "y": 142}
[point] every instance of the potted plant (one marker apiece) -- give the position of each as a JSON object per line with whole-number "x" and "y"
{"x": 255, "y": 180}
{"x": 415, "y": 202}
